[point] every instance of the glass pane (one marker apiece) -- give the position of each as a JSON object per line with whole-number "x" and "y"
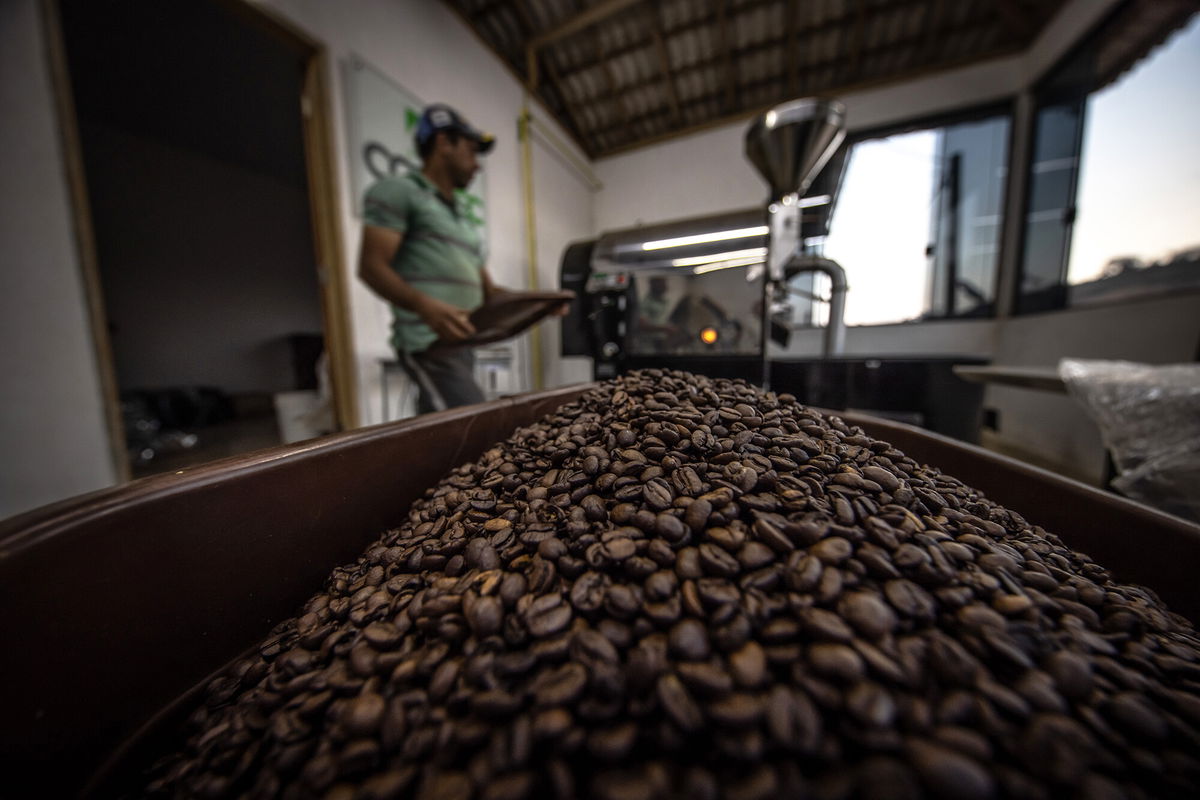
{"x": 972, "y": 163}
{"x": 880, "y": 228}
{"x": 679, "y": 312}
{"x": 1048, "y": 218}
{"x": 1138, "y": 205}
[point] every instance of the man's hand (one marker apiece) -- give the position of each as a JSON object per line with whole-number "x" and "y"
{"x": 450, "y": 323}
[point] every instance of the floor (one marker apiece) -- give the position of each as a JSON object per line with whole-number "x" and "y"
{"x": 213, "y": 442}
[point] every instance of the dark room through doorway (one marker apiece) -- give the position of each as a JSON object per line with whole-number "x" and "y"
{"x": 190, "y": 119}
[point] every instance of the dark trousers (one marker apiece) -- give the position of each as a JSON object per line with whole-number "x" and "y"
{"x": 445, "y": 377}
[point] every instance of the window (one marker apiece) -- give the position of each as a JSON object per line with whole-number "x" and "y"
{"x": 916, "y": 224}
{"x": 1113, "y": 207}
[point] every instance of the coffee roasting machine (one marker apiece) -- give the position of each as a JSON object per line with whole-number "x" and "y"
{"x": 709, "y": 295}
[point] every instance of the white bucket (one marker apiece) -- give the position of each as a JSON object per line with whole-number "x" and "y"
{"x": 302, "y": 415}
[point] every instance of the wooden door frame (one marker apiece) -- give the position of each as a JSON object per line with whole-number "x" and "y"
{"x": 315, "y": 108}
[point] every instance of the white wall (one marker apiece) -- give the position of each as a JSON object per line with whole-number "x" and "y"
{"x": 53, "y": 440}
{"x": 208, "y": 266}
{"x": 424, "y": 47}
{"x": 53, "y": 437}
{"x": 708, "y": 172}
{"x": 558, "y": 182}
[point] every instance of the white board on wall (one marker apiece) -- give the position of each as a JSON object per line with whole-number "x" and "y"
{"x": 382, "y": 117}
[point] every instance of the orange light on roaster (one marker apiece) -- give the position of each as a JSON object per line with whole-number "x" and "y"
{"x": 708, "y": 335}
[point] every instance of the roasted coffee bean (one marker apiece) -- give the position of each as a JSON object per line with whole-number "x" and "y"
{"x": 561, "y": 686}
{"x": 866, "y": 612}
{"x": 683, "y": 587}
{"x": 485, "y": 616}
{"x": 696, "y": 514}
{"x": 947, "y": 773}
{"x": 833, "y": 550}
{"x": 678, "y": 704}
{"x": 749, "y": 665}
{"x": 704, "y": 678}
{"x": 689, "y": 640}
{"x": 548, "y": 615}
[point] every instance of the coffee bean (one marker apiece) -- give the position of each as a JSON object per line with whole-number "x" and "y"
{"x": 871, "y": 705}
{"x": 593, "y": 508}
{"x": 670, "y": 527}
{"x": 833, "y": 550}
{"x": 511, "y": 786}
{"x": 1129, "y": 711}
{"x": 658, "y": 495}
{"x": 737, "y": 710}
{"x": 716, "y": 561}
{"x": 485, "y": 616}
{"x": 677, "y": 586}
{"x": 792, "y": 720}
{"x": 886, "y": 480}
{"x": 1072, "y": 673}
{"x": 949, "y": 774}
{"x": 697, "y": 513}
{"x": 560, "y": 686}
{"x": 749, "y": 665}
{"x": 589, "y": 591}
{"x": 547, "y": 618}
{"x": 910, "y": 599}
{"x": 382, "y": 635}
{"x": 704, "y": 678}
{"x": 689, "y": 640}
{"x": 824, "y": 624}
{"x": 866, "y": 612}
{"x": 678, "y": 704}
{"x": 838, "y": 661}
{"x": 772, "y": 536}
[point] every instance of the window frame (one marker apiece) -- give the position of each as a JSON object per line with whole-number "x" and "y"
{"x": 1005, "y": 106}
{"x": 1045, "y": 94}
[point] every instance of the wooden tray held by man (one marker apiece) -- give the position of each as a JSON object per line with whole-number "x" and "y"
{"x": 507, "y": 314}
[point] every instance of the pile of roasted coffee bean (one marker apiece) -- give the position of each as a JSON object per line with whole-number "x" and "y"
{"x": 683, "y": 587}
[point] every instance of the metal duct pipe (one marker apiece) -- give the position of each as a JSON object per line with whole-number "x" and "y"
{"x": 835, "y": 331}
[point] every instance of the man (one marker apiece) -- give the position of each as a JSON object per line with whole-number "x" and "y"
{"x": 420, "y": 253}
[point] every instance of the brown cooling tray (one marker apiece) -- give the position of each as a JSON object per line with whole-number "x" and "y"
{"x": 509, "y": 314}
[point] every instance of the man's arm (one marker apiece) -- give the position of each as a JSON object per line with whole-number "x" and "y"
{"x": 379, "y": 246}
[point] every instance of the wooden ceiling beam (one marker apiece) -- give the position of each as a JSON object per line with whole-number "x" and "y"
{"x": 1015, "y": 18}
{"x": 574, "y": 124}
{"x": 610, "y": 80}
{"x": 726, "y": 51}
{"x": 741, "y": 116}
{"x": 857, "y": 42}
{"x": 759, "y": 47}
{"x": 933, "y": 18}
{"x": 695, "y": 25}
{"x": 791, "y": 56}
{"x": 710, "y": 19}
{"x": 664, "y": 60}
{"x": 571, "y": 108}
{"x": 484, "y": 9}
{"x": 883, "y": 49}
{"x": 581, "y": 21}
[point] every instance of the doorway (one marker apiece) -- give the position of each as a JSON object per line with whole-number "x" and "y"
{"x": 205, "y": 183}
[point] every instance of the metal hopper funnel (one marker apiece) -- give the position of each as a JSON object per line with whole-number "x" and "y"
{"x": 791, "y": 143}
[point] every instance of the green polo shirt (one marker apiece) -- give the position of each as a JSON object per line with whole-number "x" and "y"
{"x": 441, "y": 254}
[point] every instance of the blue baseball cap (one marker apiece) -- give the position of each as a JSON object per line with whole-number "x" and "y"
{"x": 440, "y": 117}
